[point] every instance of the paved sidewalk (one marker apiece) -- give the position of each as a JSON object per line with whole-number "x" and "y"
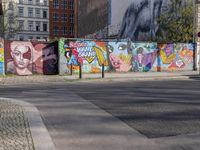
{"x": 35, "y": 79}
{"x": 21, "y": 127}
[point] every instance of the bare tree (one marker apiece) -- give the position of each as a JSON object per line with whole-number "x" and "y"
{"x": 8, "y": 21}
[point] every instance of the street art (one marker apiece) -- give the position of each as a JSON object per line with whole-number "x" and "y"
{"x": 45, "y": 58}
{"x": 134, "y": 27}
{"x": 144, "y": 56}
{"x": 27, "y": 58}
{"x": 1, "y": 56}
{"x": 119, "y": 56}
{"x": 176, "y": 57}
{"x": 91, "y": 55}
{"x": 19, "y": 57}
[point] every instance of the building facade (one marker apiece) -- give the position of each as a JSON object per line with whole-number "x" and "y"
{"x": 63, "y": 14}
{"x": 29, "y": 19}
{"x": 93, "y": 18}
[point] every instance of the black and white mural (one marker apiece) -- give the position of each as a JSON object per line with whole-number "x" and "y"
{"x": 137, "y": 19}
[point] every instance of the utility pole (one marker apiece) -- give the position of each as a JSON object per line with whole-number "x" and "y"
{"x": 194, "y": 34}
{"x": 198, "y": 31}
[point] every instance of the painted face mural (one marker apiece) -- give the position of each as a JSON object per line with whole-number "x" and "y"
{"x": 144, "y": 56}
{"x": 26, "y": 58}
{"x": 119, "y": 56}
{"x": 1, "y": 56}
{"x": 21, "y": 58}
{"x": 89, "y": 54}
{"x": 140, "y": 19}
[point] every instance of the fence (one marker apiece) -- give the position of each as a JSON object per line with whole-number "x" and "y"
{"x": 67, "y": 55}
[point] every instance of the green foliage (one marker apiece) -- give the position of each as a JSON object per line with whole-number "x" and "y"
{"x": 176, "y": 22}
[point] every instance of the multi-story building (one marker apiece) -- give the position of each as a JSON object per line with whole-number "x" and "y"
{"x": 63, "y": 18}
{"x": 30, "y": 17}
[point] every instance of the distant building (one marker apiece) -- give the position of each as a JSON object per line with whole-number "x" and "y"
{"x": 122, "y": 19}
{"x": 29, "y": 19}
{"x": 63, "y": 17}
{"x": 93, "y": 18}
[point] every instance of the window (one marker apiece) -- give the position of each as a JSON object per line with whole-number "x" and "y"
{"x": 44, "y": 13}
{"x": 30, "y": 37}
{"x": 38, "y": 37}
{"x": 30, "y": 25}
{"x": 71, "y": 5}
{"x": 64, "y": 4}
{"x": 71, "y": 18}
{"x": 21, "y": 24}
{"x": 37, "y": 2}
{"x": 37, "y": 26}
{"x": 55, "y": 17}
{"x": 21, "y": 1}
{"x": 30, "y": 1}
{"x": 55, "y": 4}
{"x": 37, "y": 12}
{"x": 45, "y": 2}
{"x": 30, "y": 12}
{"x": 64, "y": 17}
{"x": 45, "y": 27}
{"x": 64, "y": 31}
{"x": 21, "y": 11}
{"x": 55, "y": 30}
{"x": 71, "y": 30}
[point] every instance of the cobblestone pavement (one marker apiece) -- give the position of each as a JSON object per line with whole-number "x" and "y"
{"x": 14, "y": 128}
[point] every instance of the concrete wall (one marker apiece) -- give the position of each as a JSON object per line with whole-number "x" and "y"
{"x": 123, "y": 56}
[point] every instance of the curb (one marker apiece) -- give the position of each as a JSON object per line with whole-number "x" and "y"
{"x": 40, "y": 135}
{"x": 16, "y": 80}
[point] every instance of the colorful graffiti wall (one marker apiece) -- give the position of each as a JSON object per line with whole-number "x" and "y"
{"x": 123, "y": 56}
{"x": 89, "y": 54}
{"x": 144, "y": 56}
{"x": 27, "y": 58}
{"x": 175, "y": 57}
{"x": 1, "y": 56}
{"x": 119, "y": 56}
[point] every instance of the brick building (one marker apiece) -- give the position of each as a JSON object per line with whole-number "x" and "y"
{"x": 62, "y": 18}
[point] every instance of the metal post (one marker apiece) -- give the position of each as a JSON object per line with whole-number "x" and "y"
{"x": 103, "y": 71}
{"x": 80, "y": 72}
{"x": 71, "y": 69}
{"x": 194, "y": 35}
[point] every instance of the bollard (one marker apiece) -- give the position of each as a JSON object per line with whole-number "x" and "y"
{"x": 103, "y": 71}
{"x": 80, "y": 72}
{"x": 71, "y": 70}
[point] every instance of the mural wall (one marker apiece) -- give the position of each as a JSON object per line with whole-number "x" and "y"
{"x": 144, "y": 56}
{"x": 123, "y": 56}
{"x": 119, "y": 56}
{"x": 89, "y": 54}
{"x": 1, "y": 56}
{"x": 175, "y": 57}
{"x": 27, "y": 58}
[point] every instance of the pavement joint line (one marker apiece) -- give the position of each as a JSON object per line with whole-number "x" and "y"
{"x": 40, "y": 135}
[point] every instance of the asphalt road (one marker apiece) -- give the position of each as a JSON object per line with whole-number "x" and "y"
{"x": 155, "y": 109}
